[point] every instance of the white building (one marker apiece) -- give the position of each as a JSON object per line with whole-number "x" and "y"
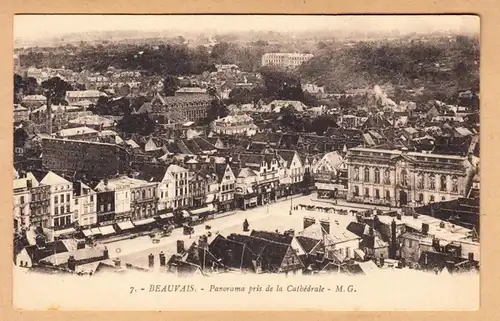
{"x": 235, "y": 125}
{"x": 22, "y": 199}
{"x": 85, "y": 204}
{"x": 61, "y": 200}
{"x": 288, "y": 60}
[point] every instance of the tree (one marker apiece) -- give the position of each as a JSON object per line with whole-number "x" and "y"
{"x": 136, "y": 123}
{"x": 18, "y": 88}
{"x": 170, "y": 85}
{"x": 55, "y": 88}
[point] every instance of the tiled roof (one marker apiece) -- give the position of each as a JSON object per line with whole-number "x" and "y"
{"x": 53, "y": 179}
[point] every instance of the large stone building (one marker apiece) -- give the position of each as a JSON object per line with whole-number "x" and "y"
{"x": 177, "y": 109}
{"x": 287, "y": 60}
{"x": 399, "y": 178}
{"x": 95, "y": 159}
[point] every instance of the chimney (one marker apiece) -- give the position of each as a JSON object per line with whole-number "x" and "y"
{"x": 80, "y": 245}
{"x": 398, "y": 216}
{"x": 382, "y": 260}
{"x": 72, "y": 263}
{"x": 203, "y": 242}
{"x": 441, "y": 224}
{"x": 325, "y": 225}
{"x": 308, "y": 221}
{"x": 415, "y": 215}
{"x": 180, "y": 247}
{"x": 49, "y": 113}
{"x": 162, "y": 258}
{"x": 105, "y": 253}
{"x": 425, "y": 228}
{"x": 471, "y": 257}
{"x": 118, "y": 262}
{"x": 151, "y": 260}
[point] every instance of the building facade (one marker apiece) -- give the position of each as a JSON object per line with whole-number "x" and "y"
{"x": 62, "y": 214}
{"x": 235, "y": 125}
{"x": 287, "y": 60}
{"x": 400, "y": 178}
{"x": 93, "y": 158}
{"x": 85, "y": 204}
{"x": 175, "y": 109}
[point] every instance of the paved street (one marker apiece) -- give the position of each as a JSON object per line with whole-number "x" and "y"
{"x": 276, "y": 216}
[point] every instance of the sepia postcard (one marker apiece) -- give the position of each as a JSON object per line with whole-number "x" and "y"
{"x": 246, "y": 162}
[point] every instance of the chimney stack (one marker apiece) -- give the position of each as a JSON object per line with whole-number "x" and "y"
{"x": 180, "y": 247}
{"x": 105, "y": 253}
{"x": 471, "y": 257}
{"x": 118, "y": 263}
{"x": 162, "y": 258}
{"x": 325, "y": 225}
{"x": 425, "y": 228}
{"x": 151, "y": 260}
{"x": 72, "y": 263}
{"x": 308, "y": 221}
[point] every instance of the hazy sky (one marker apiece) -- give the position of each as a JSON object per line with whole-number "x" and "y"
{"x": 33, "y": 27}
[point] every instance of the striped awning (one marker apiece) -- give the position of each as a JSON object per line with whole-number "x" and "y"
{"x": 65, "y": 231}
{"x": 107, "y": 230}
{"x": 167, "y": 215}
{"x": 96, "y": 231}
{"x": 127, "y": 225}
{"x": 144, "y": 221}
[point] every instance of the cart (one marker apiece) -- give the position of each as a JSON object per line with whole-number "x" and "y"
{"x": 188, "y": 229}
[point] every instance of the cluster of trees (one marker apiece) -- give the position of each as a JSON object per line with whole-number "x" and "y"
{"x": 279, "y": 84}
{"x": 443, "y": 66}
{"x": 289, "y": 121}
{"x": 54, "y": 87}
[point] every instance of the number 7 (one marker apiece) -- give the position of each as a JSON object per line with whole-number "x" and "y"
{"x": 131, "y": 289}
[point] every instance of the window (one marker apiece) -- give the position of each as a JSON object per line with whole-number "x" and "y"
{"x": 454, "y": 184}
{"x": 56, "y": 200}
{"x": 356, "y": 191}
{"x": 67, "y": 197}
{"x": 420, "y": 181}
{"x": 102, "y": 207}
{"x": 388, "y": 195}
{"x": 432, "y": 182}
{"x": 443, "y": 184}
{"x": 356, "y": 174}
{"x": 62, "y": 209}
{"x": 21, "y": 199}
{"x": 91, "y": 198}
{"x": 443, "y": 198}
{"x": 387, "y": 177}
{"x": 420, "y": 197}
{"x": 409, "y": 244}
{"x": 76, "y": 201}
{"x": 62, "y": 198}
{"x": 366, "y": 175}
{"x": 68, "y": 209}
{"x": 431, "y": 198}
{"x": 56, "y": 210}
{"x": 377, "y": 193}
{"x": 367, "y": 192}
{"x": 109, "y": 207}
{"x": 404, "y": 178}
{"x": 377, "y": 176}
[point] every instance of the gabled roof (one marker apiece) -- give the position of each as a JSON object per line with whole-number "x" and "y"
{"x": 246, "y": 172}
{"x": 307, "y": 243}
{"x": 53, "y": 179}
{"x": 273, "y": 236}
{"x": 240, "y": 258}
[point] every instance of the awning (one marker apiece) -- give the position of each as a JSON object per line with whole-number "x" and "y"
{"x": 144, "y": 221}
{"x": 108, "y": 229}
{"x": 165, "y": 216}
{"x": 195, "y": 217}
{"x": 210, "y": 198}
{"x": 185, "y": 214}
{"x": 96, "y": 231}
{"x": 127, "y": 225}
{"x": 249, "y": 190}
{"x": 209, "y": 208}
{"x": 65, "y": 231}
{"x": 87, "y": 233}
